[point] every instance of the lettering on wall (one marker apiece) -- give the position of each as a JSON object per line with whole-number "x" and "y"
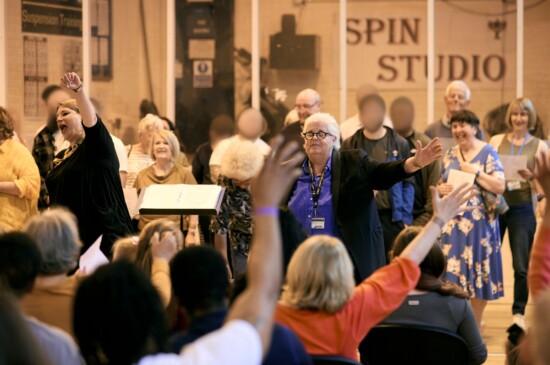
{"x": 52, "y": 17}
{"x": 387, "y": 47}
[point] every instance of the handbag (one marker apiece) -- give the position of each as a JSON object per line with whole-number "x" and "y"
{"x": 493, "y": 203}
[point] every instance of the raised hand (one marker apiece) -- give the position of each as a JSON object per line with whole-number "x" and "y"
{"x": 444, "y": 189}
{"x": 71, "y": 81}
{"x": 164, "y": 247}
{"x": 430, "y": 153}
{"x": 278, "y": 174}
{"x": 468, "y": 167}
{"x": 447, "y": 207}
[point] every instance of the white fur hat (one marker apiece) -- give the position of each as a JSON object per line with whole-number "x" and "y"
{"x": 242, "y": 160}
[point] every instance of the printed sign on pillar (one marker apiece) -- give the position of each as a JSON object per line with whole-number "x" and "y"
{"x": 203, "y": 75}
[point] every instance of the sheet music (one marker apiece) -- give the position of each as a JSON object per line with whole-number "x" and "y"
{"x": 93, "y": 258}
{"x": 181, "y": 196}
{"x": 511, "y": 165}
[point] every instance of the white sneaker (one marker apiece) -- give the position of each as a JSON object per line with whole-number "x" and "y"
{"x": 519, "y": 319}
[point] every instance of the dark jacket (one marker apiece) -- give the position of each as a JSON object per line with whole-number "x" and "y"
{"x": 401, "y": 194}
{"x": 354, "y": 177}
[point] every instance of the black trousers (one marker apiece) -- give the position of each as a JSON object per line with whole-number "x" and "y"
{"x": 391, "y": 230}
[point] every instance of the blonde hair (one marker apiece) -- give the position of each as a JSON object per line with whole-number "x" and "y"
{"x": 144, "y": 258}
{"x": 125, "y": 249}
{"x": 149, "y": 123}
{"x": 329, "y": 121}
{"x": 524, "y": 104}
{"x": 242, "y": 161}
{"x": 70, "y": 104}
{"x": 169, "y": 137}
{"x": 319, "y": 276}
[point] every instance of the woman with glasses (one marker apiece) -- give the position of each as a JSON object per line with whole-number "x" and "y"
{"x": 335, "y": 193}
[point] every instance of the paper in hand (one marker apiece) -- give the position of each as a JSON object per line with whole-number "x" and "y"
{"x": 93, "y": 258}
{"x": 511, "y": 165}
{"x": 459, "y": 177}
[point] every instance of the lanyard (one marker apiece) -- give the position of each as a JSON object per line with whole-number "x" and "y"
{"x": 522, "y": 145}
{"x": 315, "y": 190}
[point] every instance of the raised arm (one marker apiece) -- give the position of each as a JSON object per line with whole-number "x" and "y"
{"x": 256, "y": 304}
{"x": 444, "y": 209}
{"x": 424, "y": 156}
{"x": 87, "y": 111}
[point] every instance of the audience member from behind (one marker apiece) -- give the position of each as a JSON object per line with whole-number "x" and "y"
{"x": 49, "y": 140}
{"x": 51, "y": 298}
{"x": 17, "y": 342}
{"x": 402, "y": 115}
{"x": 520, "y": 219}
{"x": 353, "y": 124}
{"x": 118, "y": 316}
{"x": 308, "y": 102}
{"x": 251, "y": 126}
{"x": 20, "y": 262}
{"x": 85, "y": 177}
{"x": 164, "y": 151}
{"x": 437, "y": 303}
{"x": 159, "y": 241}
{"x": 320, "y": 302}
{"x": 457, "y": 98}
{"x": 233, "y": 223}
{"x": 19, "y": 179}
{"x": 106, "y": 305}
{"x": 138, "y": 154}
{"x": 201, "y": 283}
{"x": 147, "y": 107}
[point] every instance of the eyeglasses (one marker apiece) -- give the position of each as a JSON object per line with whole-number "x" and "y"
{"x": 320, "y": 135}
{"x": 305, "y": 106}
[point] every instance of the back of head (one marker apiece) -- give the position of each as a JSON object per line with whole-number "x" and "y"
{"x": 251, "y": 124}
{"x": 17, "y": 343}
{"x": 6, "y": 124}
{"x": 20, "y": 261}
{"x": 319, "y": 276}
{"x": 118, "y": 316}
{"x": 199, "y": 278}
{"x": 144, "y": 258}
{"x": 56, "y": 233}
{"x": 432, "y": 268}
{"x": 241, "y": 161}
{"x": 125, "y": 249}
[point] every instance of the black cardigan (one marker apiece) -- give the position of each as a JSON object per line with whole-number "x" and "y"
{"x": 354, "y": 177}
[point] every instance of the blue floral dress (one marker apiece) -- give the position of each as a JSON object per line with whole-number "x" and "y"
{"x": 471, "y": 240}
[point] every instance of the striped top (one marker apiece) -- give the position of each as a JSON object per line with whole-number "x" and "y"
{"x": 137, "y": 161}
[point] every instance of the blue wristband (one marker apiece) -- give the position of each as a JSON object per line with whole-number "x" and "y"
{"x": 273, "y": 211}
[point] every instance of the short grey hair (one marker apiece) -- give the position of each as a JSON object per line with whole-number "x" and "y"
{"x": 459, "y": 84}
{"x": 329, "y": 121}
{"x": 56, "y": 233}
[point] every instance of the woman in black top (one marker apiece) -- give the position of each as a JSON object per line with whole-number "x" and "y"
{"x": 85, "y": 176}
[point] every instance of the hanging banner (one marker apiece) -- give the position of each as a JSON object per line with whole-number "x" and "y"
{"x": 52, "y": 17}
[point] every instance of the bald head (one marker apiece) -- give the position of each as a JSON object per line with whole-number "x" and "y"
{"x": 251, "y": 124}
{"x": 308, "y": 102}
{"x": 364, "y": 90}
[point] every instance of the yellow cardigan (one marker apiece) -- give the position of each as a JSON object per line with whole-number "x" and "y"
{"x": 17, "y": 165}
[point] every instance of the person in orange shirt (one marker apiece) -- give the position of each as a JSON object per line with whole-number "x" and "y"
{"x": 320, "y": 302}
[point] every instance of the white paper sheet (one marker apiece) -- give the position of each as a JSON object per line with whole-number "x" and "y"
{"x": 458, "y": 177}
{"x": 179, "y": 196}
{"x": 511, "y": 165}
{"x": 93, "y": 258}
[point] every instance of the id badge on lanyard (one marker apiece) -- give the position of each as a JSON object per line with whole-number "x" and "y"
{"x": 316, "y": 222}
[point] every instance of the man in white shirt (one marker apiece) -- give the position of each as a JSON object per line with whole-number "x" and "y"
{"x": 353, "y": 124}
{"x": 251, "y": 125}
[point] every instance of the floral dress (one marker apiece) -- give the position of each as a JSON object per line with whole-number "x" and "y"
{"x": 471, "y": 240}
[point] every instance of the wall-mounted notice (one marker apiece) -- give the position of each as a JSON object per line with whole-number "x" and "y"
{"x": 203, "y": 75}
{"x": 35, "y": 74}
{"x": 61, "y": 17}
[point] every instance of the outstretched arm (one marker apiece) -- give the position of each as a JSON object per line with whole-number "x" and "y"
{"x": 257, "y": 303}
{"x": 424, "y": 156}
{"x": 87, "y": 111}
